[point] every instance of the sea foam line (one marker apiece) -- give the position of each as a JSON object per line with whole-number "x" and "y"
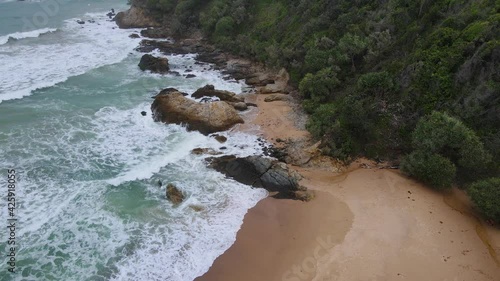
{"x": 28, "y": 34}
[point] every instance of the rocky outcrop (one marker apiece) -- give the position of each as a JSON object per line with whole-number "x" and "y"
{"x": 206, "y": 118}
{"x": 258, "y": 171}
{"x": 154, "y": 64}
{"x": 174, "y": 194}
{"x": 156, "y": 33}
{"x": 210, "y": 91}
{"x": 280, "y": 84}
{"x": 135, "y": 17}
{"x": 259, "y": 79}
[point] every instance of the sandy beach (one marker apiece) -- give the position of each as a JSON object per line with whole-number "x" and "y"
{"x": 365, "y": 223}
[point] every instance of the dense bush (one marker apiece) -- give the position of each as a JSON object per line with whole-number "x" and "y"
{"x": 448, "y": 136}
{"x": 432, "y": 169}
{"x": 485, "y": 195}
{"x": 319, "y": 87}
{"x": 444, "y": 144}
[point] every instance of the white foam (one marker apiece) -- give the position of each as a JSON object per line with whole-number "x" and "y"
{"x": 28, "y": 34}
{"x": 26, "y": 68}
{"x": 65, "y": 210}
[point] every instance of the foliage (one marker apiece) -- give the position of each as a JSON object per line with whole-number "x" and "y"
{"x": 369, "y": 70}
{"x": 448, "y": 136}
{"x": 320, "y": 86}
{"x": 442, "y": 144}
{"x": 486, "y": 196}
{"x": 430, "y": 168}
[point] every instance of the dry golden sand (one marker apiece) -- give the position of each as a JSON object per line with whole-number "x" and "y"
{"x": 365, "y": 224}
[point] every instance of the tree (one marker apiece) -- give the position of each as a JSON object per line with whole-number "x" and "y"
{"x": 430, "y": 168}
{"x": 442, "y": 145}
{"x": 350, "y": 46}
{"x": 485, "y": 195}
{"x": 319, "y": 87}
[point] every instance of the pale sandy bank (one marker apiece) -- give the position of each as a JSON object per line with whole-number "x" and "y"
{"x": 364, "y": 224}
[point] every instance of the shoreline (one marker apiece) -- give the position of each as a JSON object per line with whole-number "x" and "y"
{"x": 378, "y": 224}
{"x": 384, "y": 225}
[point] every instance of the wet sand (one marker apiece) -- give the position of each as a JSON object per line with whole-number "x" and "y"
{"x": 364, "y": 224}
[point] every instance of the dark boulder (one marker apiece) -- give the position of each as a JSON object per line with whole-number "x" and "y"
{"x": 262, "y": 172}
{"x": 154, "y": 64}
{"x": 219, "y": 138}
{"x": 210, "y": 91}
{"x": 174, "y": 194}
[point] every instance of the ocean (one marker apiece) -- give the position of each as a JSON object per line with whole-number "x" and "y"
{"x": 87, "y": 163}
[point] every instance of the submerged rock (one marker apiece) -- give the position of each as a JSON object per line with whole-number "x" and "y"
{"x": 257, "y": 171}
{"x": 206, "y": 118}
{"x": 208, "y": 151}
{"x": 219, "y": 138}
{"x": 174, "y": 194}
{"x": 154, "y": 64}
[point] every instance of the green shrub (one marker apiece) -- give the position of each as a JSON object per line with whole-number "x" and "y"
{"x": 431, "y": 169}
{"x": 224, "y": 27}
{"x": 319, "y": 87}
{"x": 485, "y": 195}
{"x": 376, "y": 84}
{"x": 442, "y": 134}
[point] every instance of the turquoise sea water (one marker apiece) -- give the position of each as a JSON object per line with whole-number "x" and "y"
{"x": 88, "y": 163}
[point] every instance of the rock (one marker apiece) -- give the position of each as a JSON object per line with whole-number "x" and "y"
{"x": 168, "y": 91}
{"x": 155, "y": 33}
{"x": 135, "y": 17}
{"x": 219, "y": 138}
{"x": 144, "y": 113}
{"x": 174, "y": 194}
{"x": 154, "y": 64}
{"x": 201, "y": 151}
{"x": 206, "y": 118}
{"x": 134, "y": 35}
{"x": 305, "y": 196}
{"x": 240, "y": 106}
{"x": 210, "y": 91}
{"x": 251, "y": 104}
{"x": 276, "y": 97}
{"x": 280, "y": 84}
{"x": 258, "y": 171}
{"x": 259, "y": 80}
{"x": 190, "y": 76}
{"x": 80, "y": 21}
